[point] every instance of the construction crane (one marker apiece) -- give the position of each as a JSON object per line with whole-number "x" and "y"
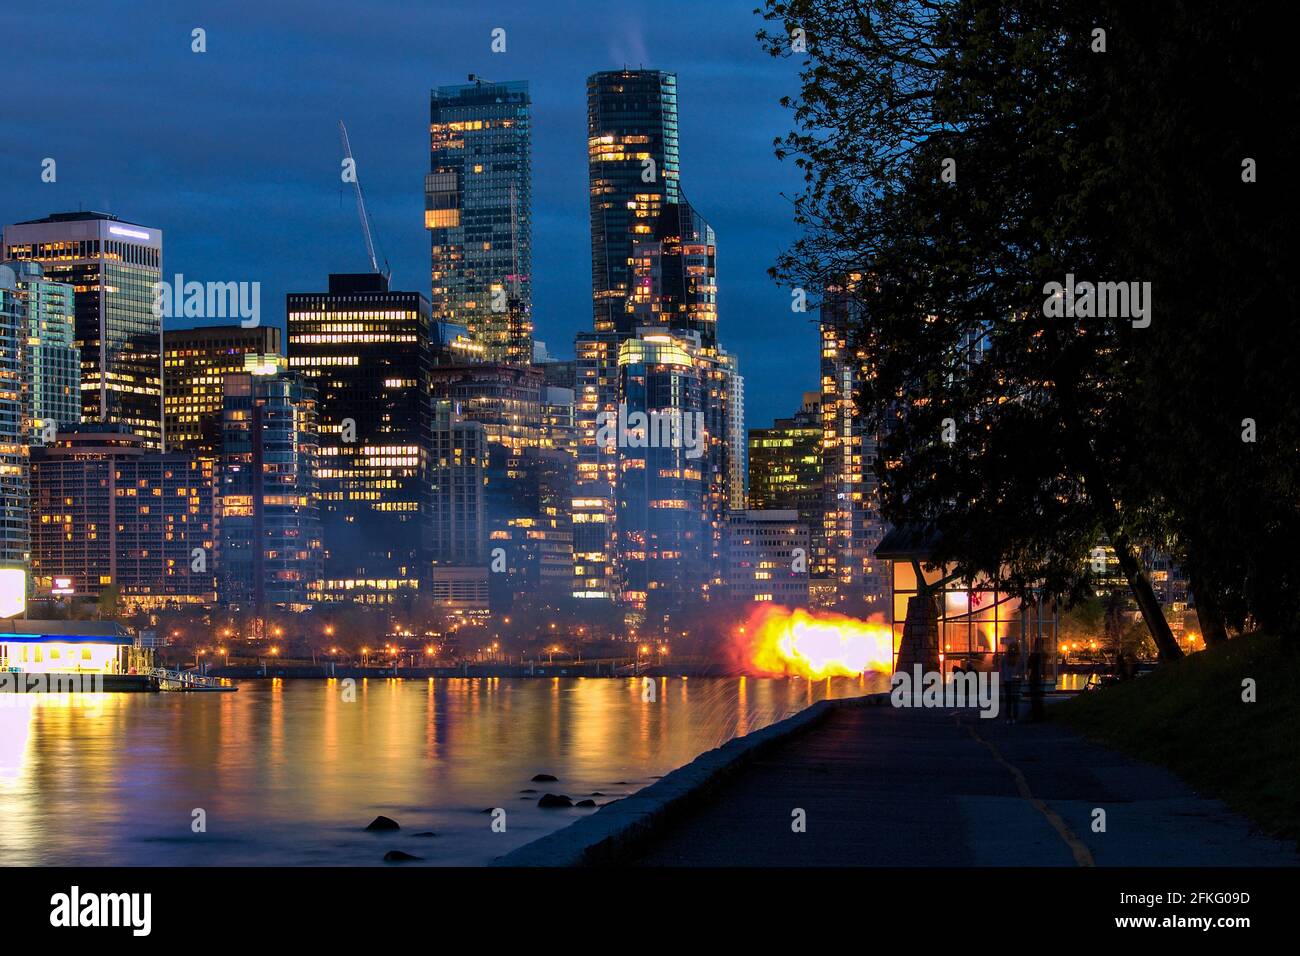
{"x": 367, "y": 229}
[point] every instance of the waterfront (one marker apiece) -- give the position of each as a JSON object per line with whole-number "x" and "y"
{"x": 289, "y": 773}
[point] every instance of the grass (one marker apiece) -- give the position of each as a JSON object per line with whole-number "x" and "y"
{"x": 1189, "y": 716}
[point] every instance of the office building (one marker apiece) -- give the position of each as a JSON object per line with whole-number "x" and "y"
{"x": 52, "y": 359}
{"x": 195, "y": 365}
{"x": 114, "y": 266}
{"x": 366, "y": 350}
{"x": 478, "y": 213}
{"x": 785, "y": 471}
{"x": 458, "y": 471}
{"x": 271, "y": 542}
{"x": 14, "y": 543}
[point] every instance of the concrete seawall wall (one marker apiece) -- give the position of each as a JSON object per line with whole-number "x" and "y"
{"x": 613, "y": 832}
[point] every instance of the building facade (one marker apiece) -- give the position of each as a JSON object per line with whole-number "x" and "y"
{"x": 767, "y": 557}
{"x": 458, "y": 473}
{"x": 114, "y": 266}
{"x": 633, "y": 168}
{"x": 108, "y": 512}
{"x": 852, "y": 526}
{"x": 272, "y": 553}
{"x": 14, "y": 543}
{"x": 478, "y": 196}
{"x": 366, "y": 350}
{"x": 52, "y": 359}
{"x": 785, "y": 472}
{"x": 195, "y": 365}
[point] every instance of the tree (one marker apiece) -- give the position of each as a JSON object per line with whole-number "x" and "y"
{"x": 952, "y": 165}
{"x": 965, "y": 160}
{"x": 1195, "y": 95}
{"x": 107, "y": 603}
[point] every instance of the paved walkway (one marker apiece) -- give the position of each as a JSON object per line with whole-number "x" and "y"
{"x": 891, "y": 787}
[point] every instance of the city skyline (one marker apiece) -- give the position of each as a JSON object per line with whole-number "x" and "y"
{"x": 288, "y": 168}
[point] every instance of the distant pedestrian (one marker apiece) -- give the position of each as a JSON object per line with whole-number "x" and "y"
{"x": 1009, "y": 673}
{"x": 1036, "y": 682}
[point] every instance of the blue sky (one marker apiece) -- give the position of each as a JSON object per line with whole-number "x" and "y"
{"x": 234, "y": 153}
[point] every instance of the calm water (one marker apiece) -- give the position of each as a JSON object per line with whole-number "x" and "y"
{"x": 288, "y": 773}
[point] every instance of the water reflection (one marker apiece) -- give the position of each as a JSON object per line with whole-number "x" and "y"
{"x": 289, "y": 772}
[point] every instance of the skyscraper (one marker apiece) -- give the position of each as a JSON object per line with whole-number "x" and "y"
{"x": 14, "y": 542}
{"x": 271, "y": 549}
{"x": 852, "y": 525}
{"x": 366, "y": 349}
{"x": 52, "y": 359}
{"x": 648, "y": 518}
{"x": 195, "y": 365}
{"x": 458, "y": 468}
{"x": 113, "y": 265}
{"x": 632, "y": 170}
{"x": 478, "y": 196}
{"x": 673, "y": 275}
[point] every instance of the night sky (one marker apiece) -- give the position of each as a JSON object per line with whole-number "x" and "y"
{"x": 234, "y": 153}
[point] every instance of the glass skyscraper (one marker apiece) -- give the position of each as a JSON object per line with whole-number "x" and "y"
{"x": 113, "y": 265}
{"x": 478, "y": 195}
{"x": 13, "y": 440}
{"x": 632, "y": 170}
{"x": 52, "y": 359}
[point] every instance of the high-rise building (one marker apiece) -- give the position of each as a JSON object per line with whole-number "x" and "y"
{"x": 648, "y": 528}
{"x": 271, "y": 548}
{"x": 52, "y": 359}
{"x": 671, "y": 468}
{"x": 558, "y": 426}
{"x": 762, "y": 548}
{"x": 457, "y": 475}
{"x": 673, "y": 275}
{"x": 737, "y": 443}
{"x": 530, "y": 523}
{"x": 478, "y": 211}
{"x": 108, "y": 512}
{"x": 632, "y": 170}
{"x": 366, "y": 349}
{"x": 195, "y": 365}
{"x": 852, "y": 525}
{"x": 505, "y": 399}
{"x": 14, "y": 542}
{"x": 113, "y": 265}
{"x": 785, "y": 471}
{"x": 453, "y": 345}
